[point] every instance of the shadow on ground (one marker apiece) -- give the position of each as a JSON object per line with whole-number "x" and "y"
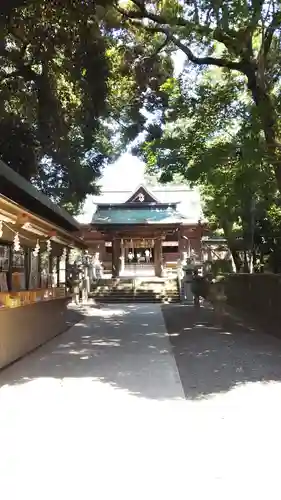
{"x": 215, "y": 356}
{"x": 125, "y": 347}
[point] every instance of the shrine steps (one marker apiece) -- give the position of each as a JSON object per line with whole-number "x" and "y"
{"x": 136, "y": 290}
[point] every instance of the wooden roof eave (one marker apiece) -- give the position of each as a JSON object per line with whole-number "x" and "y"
{"x": 136, "y": 229}
{"x": 13, "y": 182}
{"x": 16, "y": 216}
{"x": 137, "y": 205}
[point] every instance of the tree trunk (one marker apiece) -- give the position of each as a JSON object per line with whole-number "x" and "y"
{"x": 228, "y": 234}
{"x": 268, "y": 117}
{"x": 246, "y": 266}
{"x": 236, "y": 259}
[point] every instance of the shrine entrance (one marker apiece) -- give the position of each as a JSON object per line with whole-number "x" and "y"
{"x": 143, "y": 232}
{"x": 137, "y": 257}
{"x": 138, "y": 251}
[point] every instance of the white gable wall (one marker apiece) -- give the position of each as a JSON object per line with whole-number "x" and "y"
{"x": 189, "y": 200}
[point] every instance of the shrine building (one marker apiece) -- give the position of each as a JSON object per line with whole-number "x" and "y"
{"x": 151, "y": 227}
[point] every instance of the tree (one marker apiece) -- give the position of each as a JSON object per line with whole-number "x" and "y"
{"x": 223, "y": 154}
{"x": 73, "y": 92}
{"x": 242, "y": 37}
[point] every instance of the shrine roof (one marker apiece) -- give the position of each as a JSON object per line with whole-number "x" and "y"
{"x": 140, "y": 214}
{"x": 186, "y": 199}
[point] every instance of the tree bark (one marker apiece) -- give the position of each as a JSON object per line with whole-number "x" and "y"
{"x": 228, "y": 234}
{"x": 268, "y": 117}
{"x": 246, "y": 264}
{"x": 236, "y": 259}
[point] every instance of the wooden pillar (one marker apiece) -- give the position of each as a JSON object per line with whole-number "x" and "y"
{"x": 50, "y": 270}
{"x": 67, "y": 271}
{"x": 39, "y": 269}
{"x": 27, "y": 266}
{"x": 184, "y": 245}
{"x": 116, "y": 248}
{"x": 122, "y": 255}
{"x": 181, "y": 244}
{"x": 58, "y": 270}
{"x": 158, "y": 257}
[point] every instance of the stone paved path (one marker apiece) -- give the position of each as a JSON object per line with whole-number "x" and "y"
{"x": 118, "y": 408}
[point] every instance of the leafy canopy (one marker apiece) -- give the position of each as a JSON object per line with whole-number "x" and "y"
{"x": 240, "y": 36}
{"x": 75, "y": 85}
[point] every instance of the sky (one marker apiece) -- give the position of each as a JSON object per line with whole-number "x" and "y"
{"x": 125, "y": 174}
{"x": 128, "y": 171}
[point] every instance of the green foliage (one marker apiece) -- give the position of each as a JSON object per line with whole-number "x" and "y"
{"x": 82, "y": 77}
{"x": 224, "y": 154}
{"x": 240, "y": 37}
{"x": 222, "y": 126}
{"x": 75, "y": 84}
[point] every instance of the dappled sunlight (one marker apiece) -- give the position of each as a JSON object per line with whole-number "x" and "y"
{"x": 104, "y": 342}
{"x": 107, "y": 313}
{"x": 104, "y": 404}
{"x": 115, "y": 346}
{"x": 216, "y": 358}
{"x": 252, "y": 399}
{"x": 117, "y": 351}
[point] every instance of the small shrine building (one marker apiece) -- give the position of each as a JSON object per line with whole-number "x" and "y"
{"x": 122, "y": 232}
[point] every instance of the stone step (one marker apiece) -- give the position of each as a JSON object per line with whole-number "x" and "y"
{"x": 126, "y": 292}
{"x": 136, "y": 299}
{"x": 135, "y": 295}
{"x": 136, "y": 290}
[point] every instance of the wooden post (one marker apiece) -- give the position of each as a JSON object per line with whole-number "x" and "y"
{"x": 122, "y": 256}
{"x": 58, "y": 270}
{"x": 66, "y": 273}
{"x": 50, "y": 270}
{"x": 39, "y": 269}
{"x": 116, "y": 248}
{"x": 158, "y": 257}
{"x": 181, "y": 244}
{"x": 27, "y": 262}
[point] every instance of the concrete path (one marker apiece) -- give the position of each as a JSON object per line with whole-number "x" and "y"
{"x": 100, "y": 413}
{"x": 89, "y": 415}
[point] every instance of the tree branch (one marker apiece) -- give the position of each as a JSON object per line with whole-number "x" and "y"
{"x": 144, "y": 14}
{"x": 201, "y": 61}
{"x": 161, "y": 46}
{"x": 273, "y": 26}
{"x": 256, "y": 7}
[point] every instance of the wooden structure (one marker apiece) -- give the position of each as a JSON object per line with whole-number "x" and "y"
{"x": 36, "y": 241}
{"x": 139, "y": 224}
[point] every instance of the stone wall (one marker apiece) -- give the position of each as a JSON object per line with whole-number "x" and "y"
{"x": 257, "y": 295}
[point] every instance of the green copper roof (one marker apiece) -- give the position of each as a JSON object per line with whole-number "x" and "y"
{"x": 137, "y": 216}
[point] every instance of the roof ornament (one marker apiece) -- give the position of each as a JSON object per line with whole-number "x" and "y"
{"x": 140, "y": 197}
